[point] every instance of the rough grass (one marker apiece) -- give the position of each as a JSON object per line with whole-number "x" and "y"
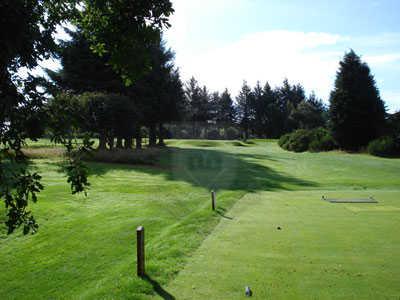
{"x": 42, "y": 152}
{"x": 122, "y": 156}
{"x": 85, "y": 247}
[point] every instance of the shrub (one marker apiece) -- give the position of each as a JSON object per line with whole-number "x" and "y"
{"x": 301, "y": 140}
{"x": 284, "y": 139}
{"x": 385, "y": 146}
{"x": 168, "y": 133}
{"x": 213, "y": 134}
{"x": 231, "y": 133}
{"x": 326, "y": 143}
{"x": 184, "y": 134}
{"x": 322, "y": 140}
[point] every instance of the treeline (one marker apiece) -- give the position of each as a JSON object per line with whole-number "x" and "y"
{"x": 258, "y": 111}
{"x": 91, "y": 98}
{"x": 357, "y": 117}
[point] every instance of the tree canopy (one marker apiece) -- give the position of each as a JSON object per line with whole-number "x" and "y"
{"x": 119, "y": 29}
{"x": 357, "y": 113}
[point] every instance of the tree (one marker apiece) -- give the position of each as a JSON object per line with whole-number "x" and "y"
{"x": 114, "y": 27}
{"x": 82, "y": 70}
{"x": 260, "y": 107}
{"x": 109, "y": 115}
{"x": 394, "y": 124}
{"x": 272, "y": 111}
{"x": 197, "y": 100}
{"x": 357, "y": 113}
{"x": 225, "y": 108}
{"x": 159, "y": 94}
{"x": 309, "y": 113}
{"x": 173, "y": 104}
{"x": 28, "y": 38}
{"x": 123, "y": 30}
{"x": 85, "y": 73}
{"x": 244, "y": 108}
{"x": 289, "y": 97}
{"x": 213, "y": 106}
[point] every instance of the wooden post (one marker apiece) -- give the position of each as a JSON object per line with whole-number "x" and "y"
{"x": 140, "y": 251}
{"x": 213, "y": 200}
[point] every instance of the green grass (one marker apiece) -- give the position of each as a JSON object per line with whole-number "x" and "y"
{"x": 85, "y": 247}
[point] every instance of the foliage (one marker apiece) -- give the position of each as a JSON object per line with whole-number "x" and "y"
{"x": 298, "y": 141}
{"x": 393, "y": 124}
{"x": 225, "y": 109}
{"x": 385, "y": 146}
{"x": 28, "y": 38}
{"x": 259, "y": 111}
{"x": 357, "y": 113}
{"x": 309, "y": 113}
{"x": 322, "y": 140}
{"x": 245, "y": 111}
{"x": 197, "y": 104}
{"x": 213, "y": 134}
{"x": 65, "y": 116}
{"x": 123, "y": 30}
{"x": 77, "y": 171}
{"x": 283, "y": 140}
{"x": 82, "y": 70}
{"x": 112, "y": 110}
{"x": 19, "y": 186}
{"x": 114, "y": 28}
{"x": 232, "y": 133}
{"x": 159, "y": 95}
{"x": 315, "y": 140}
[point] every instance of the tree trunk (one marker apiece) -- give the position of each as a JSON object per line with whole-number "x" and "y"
{"x": 119, "y": 142}
{"x": 128, "y": 142}
{"x": 152, "y": 135}
{"x": 138, "y": 138}
{"x": 102, "y": 142}
{"x": 111, "y": 142}
{"x": 246, "y": 134}
{"x": 161, "y": 136}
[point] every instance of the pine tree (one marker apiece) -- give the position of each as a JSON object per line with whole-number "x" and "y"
{"x": 225, "y": 108}
{"x": 357, "y": 113}
{"x": 273, "y": 113}
{"x": 244, "y": 108}
{"x": 309, "y": 113}
{"x": 198, "y": 100}
{"x": 159, "y": 94}
{"x": 258, "y": 122}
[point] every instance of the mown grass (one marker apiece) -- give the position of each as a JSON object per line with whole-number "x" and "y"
{"x": 85, "y": 247}
{"x": 322, "y": 250}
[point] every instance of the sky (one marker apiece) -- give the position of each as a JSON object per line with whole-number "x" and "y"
{"x": 223, "y": 42}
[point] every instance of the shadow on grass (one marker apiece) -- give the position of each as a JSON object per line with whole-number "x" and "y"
{"x": 212, "y": 169}
{"x": 221, "y": 211}
{"x": 158, "y": 288}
